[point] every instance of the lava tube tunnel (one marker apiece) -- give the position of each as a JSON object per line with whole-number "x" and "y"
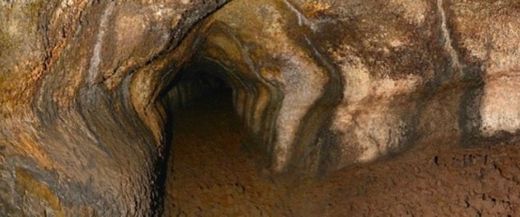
{"x": 163, "y": 108}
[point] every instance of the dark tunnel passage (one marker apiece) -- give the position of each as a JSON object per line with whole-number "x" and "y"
{"x": 197, "y": 80}
{"x": 208, "y": 171}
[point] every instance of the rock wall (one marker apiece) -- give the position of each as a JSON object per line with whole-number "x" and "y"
{"x": 326, "y": 84}
{"x": 81, "y": 127}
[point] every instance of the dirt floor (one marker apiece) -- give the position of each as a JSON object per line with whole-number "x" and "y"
{"x": 210, "y": 175}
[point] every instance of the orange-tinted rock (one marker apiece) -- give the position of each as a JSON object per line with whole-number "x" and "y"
{"x": 319, "y": 86}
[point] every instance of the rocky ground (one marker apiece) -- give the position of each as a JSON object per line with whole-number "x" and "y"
{"x": 210, "y": 175}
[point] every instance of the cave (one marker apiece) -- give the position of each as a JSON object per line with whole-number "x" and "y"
{"x": 207, "y": 166}
{"x": 259, "y": 108}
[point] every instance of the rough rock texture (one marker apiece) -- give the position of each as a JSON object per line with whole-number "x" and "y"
{"x": 210, "y": 176}
{"x": 326, "y": 84}
{"x": 87, "y": 88}
{"x": 81, "y": 129}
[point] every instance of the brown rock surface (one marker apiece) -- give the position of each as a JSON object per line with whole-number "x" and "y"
{"x": 80, "y": 128}
{"x": 89, "y": 91}
{"x": 210, "y": 176}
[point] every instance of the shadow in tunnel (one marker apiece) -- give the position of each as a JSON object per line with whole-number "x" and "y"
{"x": 208, "y": 173}
{"x": 197, "y": 84}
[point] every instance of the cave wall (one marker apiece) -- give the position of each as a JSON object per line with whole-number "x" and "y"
{"x": 81, "y": 130}
{"x": 320, "y": 85}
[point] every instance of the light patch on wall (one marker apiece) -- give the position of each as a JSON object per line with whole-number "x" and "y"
{"x": 365, "y": 118}
{"x": 303, "y": 85}
{"x": 500, "y": 108}
{"x": 95, "y": 60}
